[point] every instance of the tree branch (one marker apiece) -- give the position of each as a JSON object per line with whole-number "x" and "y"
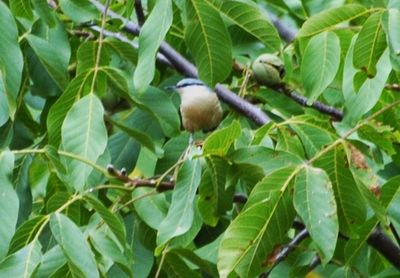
{"x": 139, "y": 12}
{"x": 323, "y": 108}
{"x": 385, "y": 246}
{"x": 287, "y": 249}
{"x": 183, "y": 66}
{"x": 286, "y": 33}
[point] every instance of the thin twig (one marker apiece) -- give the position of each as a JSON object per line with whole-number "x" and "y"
{"x": 316, "y": 261}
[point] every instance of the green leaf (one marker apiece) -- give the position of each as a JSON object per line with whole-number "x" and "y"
{"x": 320, "y": 64}
{"x": 390, "y": 191}
{"x": 328, "y": 19}
{"x": 251, "y": 19}
{"x": 314, "y": 132}
{"x": 219, "y": 142}
{"x": 259, "y": 227}
{"x": 152, "y": 209}
{"x": 390, "y": 22}
{"x": 11, "y": 60}
{"x": 392, "y": 17}
{"x": 73, "y": 244}
{"x": 370, "y": 44}
{"x": 314, "y": 201}
{"x": 207, "y": 38}
{"x": 144, "y": 139}
{"x": 180, "y": 214}
{"x": 270, "y": 160}
{"x": 350, "y": 204}
{"x": 151, "y": 36}
{"x": 289, "y": 142}
{"x": 51, "y": 262}
{"x": 109, "y": 249}
{"x": 9, "y": 202}
{"x": 26, "y": 233}
{"x": 112, "y": 220}
{"x": 359, "y": 104}
{"x": 176, "y": 267}
{"x": 52, "y": 47}
{"x": 44, "y": 11}
{"x": 21, "y": 8}
{"x": 166, "y": 114}
{"x": 79, "y": 10}
{"x": 23, "y": 263}
{"x": 60, "y": 108}
{"x": 349, "y": 72}
{"x": 83, "y": 134}
{"x": 214, "y": 198}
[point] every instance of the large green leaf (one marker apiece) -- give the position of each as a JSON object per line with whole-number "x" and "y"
{"x": 23, "y": 263}
{"x": 60, "y": 108}
{"x": 268, "y": 159}
{"x": 262, "y": 224}
{"x": 83, "y": 134}
{"x": 207, "y": 38}
{"x": 314, "y": 201}
{"x": 112, "y": 220}
{"x": 214, "y": 198}
{"x": 152, "y": 209}
{"x": 52, "y": 47}
{"x": 314, "y": 132}
{"x": 369, "y": 93}
{"x": 79, "y": 10}
{"x": 370, "y": 44}
{"x": 166, "y": 114}
{"x": 180, "y": 214}
{"x": 220, "y": 141}
{"x": 320, "y": 64}
{"x": 26, "y": 233}
{"x": 21, "y": 8}
{"x": 350, "y": 204}
{"x": 51, "y": 262}
{"x": 9, "y": 202}
{"x": 391, "y": 23}
{"x": 251, "y": 19}
{"x": 44, "y": 11}
{"x": 328, "y": 19}
{"x": 150, "y": 38}
{"x": 11, "y": 61}
{"x": 74, "y": 245}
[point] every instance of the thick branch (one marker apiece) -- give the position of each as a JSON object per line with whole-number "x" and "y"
{"x": 286, "y": 33}
{"x": 183, "y": 66}
{"x": 139, "y": 12}
{"x": 323, "y": 108}
{"x": 385, "y": 246}
{"x": 287, "y": 249}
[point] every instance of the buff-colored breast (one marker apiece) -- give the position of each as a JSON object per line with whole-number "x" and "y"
{"x": 200, "y": 110}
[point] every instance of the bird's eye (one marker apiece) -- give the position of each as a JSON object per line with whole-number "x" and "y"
{"x": 282, "y": 72}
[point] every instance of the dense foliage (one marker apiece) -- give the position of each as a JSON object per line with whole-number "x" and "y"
{"x": 96, "y": 174}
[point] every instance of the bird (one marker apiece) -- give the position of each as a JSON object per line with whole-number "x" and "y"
{"x": 200, "y": 107}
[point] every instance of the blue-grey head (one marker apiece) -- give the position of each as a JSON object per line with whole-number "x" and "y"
{"x": 187, "y": 82}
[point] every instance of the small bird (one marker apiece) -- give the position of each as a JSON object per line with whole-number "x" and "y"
{"x": 200, "y": 107}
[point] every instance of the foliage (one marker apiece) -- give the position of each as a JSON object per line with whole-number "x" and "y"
{"x": 99, "y": 180}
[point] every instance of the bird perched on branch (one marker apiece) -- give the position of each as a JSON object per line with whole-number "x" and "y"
{"x": 200, "y": 107}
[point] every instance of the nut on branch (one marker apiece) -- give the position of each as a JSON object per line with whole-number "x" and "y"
{"x": 269, "y": 70}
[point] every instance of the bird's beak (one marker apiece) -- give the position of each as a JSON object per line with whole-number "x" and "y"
{"x": 170, "y": 88}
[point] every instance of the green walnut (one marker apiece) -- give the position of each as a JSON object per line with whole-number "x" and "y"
{"x": 269, "y": 70}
